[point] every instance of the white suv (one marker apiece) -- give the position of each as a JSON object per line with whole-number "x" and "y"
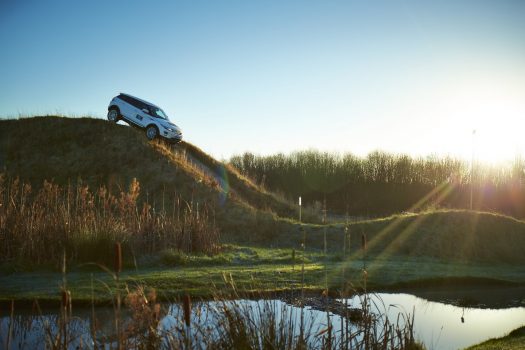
{"x": 144, "y": 115}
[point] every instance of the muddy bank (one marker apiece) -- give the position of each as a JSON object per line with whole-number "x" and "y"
{"x": 490, "y": 297}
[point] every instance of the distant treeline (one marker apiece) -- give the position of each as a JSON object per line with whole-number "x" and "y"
{"x": 384, "y": 183}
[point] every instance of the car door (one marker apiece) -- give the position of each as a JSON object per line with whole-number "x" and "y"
{"x": 138, "y": 116}
{"x": 127, "y": 110}
{"x": 143, "y": 116}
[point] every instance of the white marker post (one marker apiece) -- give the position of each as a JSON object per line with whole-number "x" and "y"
{"x": 301, "y": 330}
{"x": 299, "y": 208}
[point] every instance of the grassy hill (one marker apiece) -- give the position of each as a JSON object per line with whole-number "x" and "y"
{"x": 97, "y": 153}
{"x": 451, "y": 235}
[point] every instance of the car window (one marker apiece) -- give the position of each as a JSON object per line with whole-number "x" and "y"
{"x": 157, "y": 112}
{"x": 124, "y": 98}
{"x": 152, "y": 110}
{"x": 137, "y": 104}
{"x": 131, "y": 101}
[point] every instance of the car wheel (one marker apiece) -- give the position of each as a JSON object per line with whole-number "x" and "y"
{"x": 151, "y": 132}
{"x": 113, "y": 115}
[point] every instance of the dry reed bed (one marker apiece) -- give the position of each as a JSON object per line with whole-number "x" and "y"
{"x": 38, "y": 226}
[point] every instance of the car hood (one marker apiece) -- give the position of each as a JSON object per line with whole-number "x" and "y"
{"x": 168, "y": 124}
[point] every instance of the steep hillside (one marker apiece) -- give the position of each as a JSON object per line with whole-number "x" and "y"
{"x": 96, "y": 152}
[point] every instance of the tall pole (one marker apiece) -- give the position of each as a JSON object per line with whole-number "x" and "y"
{"x": 324, "y": 225}
{"x": 299, "y": 210}
{"x": 302, "y": 277}
{"x": 472, "y": 168}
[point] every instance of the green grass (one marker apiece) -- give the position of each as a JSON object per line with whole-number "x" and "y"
{"x": 230, "y": 254}
{"x": 258, "y": 269}
{"x": 450, "y": 235}
{"x": 515, "y": 340}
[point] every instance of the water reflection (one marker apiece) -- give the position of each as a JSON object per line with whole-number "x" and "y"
{"x": 437, "y": 325}
{"x": 443, "y": 326}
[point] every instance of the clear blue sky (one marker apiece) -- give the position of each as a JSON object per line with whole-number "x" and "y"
{"x": 269, "y": 76}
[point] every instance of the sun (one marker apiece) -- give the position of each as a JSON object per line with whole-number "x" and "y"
{"x": 491, "y": 120}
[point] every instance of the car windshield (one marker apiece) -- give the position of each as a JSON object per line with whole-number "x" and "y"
{"x": 157, "y": 112}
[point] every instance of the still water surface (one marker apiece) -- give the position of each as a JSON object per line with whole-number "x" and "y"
{"x": 438, "y": 325}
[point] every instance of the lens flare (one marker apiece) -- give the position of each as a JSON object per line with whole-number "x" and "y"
{"x": 222, "y": 180}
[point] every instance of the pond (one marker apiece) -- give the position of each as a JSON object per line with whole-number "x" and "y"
{"x": 439, "y": 325}
{"x": 446, "y": 326}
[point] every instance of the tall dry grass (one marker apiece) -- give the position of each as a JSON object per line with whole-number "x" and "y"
{"x": 38, "y": 226}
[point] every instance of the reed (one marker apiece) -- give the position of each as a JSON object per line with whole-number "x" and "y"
{"x": 38, "y": 226}
{"x": 118, "y": 258}
{"x": 186, "y": 304}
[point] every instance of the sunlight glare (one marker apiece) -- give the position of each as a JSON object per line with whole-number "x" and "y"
{"x": 495, "y": 113}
